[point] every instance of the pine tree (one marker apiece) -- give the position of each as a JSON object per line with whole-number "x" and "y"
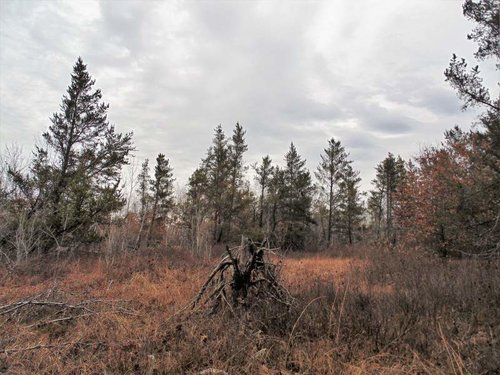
{"x": 297, "y": 199}
{"x": 144, "y": 198}
{"x": 486, "y": 34}
{"x": 216, "y": 167}
{"x": 75, "y": 177}
{"x": 276, "y": 191}
{"x": 264, "y": 173}
{"x": 161, "y": 190}
{"x": 330, "y": 173}
{"x": 390, "y": 173}
{"x": 351, "y": 206}
{"x": 469, "y": 84}
{"x": 375, "y": 207}
{"x": 236, "y": 149}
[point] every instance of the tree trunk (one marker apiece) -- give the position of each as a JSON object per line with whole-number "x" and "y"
{"x": 349, "y": 229}
{"x": 153, "y": 218}
{"x": 261, "y": 214}
{"x": 330, "y": 215}
{"x": 216, "y": 226}
{"x": 141, "y": 231}
{"x": 389, "y": 207}
{"x": 231, "y": 204}
{"x": 379, "y": 216}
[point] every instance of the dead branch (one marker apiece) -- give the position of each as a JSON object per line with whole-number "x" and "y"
{"x": 28, "y": 310}
{"x": 59, "y": 320}
{"x": 220, "y": 268}
{"x": 16, "y": 306}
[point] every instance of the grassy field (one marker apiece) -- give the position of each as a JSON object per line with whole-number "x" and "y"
{"x": 356, "y": 311}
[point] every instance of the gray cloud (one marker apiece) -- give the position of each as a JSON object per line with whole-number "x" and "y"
{"x": 368, "y": 74}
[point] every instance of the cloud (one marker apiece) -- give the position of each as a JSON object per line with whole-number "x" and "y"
{"x": 367, "y": 74}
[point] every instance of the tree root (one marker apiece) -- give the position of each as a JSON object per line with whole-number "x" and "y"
{"x": 245, "y": 276}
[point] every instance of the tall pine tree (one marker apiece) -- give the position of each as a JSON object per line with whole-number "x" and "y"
{"x": 216, "y": 169}
{"x": 351, "y": 207}
{"x": 390, "y": 174}
{"x": 264, "y": 173}
{"x": 75, "y": 176}
{"x": 330, "y": 174}
{"x": 236, "y": 168}
{"x": 144, "y": 199}
{"x": 161, "y": 190}
{"x": 297, "y": 198}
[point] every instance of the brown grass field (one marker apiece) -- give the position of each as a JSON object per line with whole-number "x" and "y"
{"x": 362, "y": 311}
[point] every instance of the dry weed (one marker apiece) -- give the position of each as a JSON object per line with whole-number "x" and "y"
{"x": 370, "y": 312}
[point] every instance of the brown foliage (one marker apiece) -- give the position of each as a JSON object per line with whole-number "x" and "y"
{"x": 449, "y": 201}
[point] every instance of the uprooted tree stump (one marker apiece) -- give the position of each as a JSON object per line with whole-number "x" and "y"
{"x": 245, "y": 276}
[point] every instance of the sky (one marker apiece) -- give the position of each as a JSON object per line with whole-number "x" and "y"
{"x": 368, "y": 73}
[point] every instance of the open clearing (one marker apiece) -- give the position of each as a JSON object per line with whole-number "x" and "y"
{"x": 367, "y": 312}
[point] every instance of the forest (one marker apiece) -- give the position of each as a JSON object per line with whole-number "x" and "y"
{"x": 99, "y": 269}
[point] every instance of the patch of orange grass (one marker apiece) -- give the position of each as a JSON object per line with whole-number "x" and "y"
{"x": 171, "y": 287}
{"x": 300, "y": 273}
{"x": 160, "y": 287}
{"x": 152, "y": 290}
{"x": 166, "y": 286}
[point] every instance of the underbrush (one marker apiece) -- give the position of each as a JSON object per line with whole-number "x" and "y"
{"x": 367, "y": 311}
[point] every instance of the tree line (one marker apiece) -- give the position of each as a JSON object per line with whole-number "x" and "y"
{"x": 445, "y": 199}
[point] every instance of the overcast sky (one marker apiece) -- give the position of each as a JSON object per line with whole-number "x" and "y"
{"x": 369, "y": 73}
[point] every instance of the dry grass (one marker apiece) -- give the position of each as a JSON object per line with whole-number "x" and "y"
{"x": 367, "y": 311}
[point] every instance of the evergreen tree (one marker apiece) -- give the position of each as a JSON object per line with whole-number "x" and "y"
{"x": 216, "y": 167}
{"x": 375, "y": 207}
{"x": 469, "y": 84}
{"x": 144, "y": 198}
{"x": 264, "y": 173}
{"x": 75, "y": 177}
{"x": 236, "y": 149}
{"x": 351, "y": 206}
{"x": 390, "y": 173}
{"x": 297, "y": 198}
{"x": 330, "y": 174}
{"x": 161, "y": 190}
{"x": 276, "y": 191}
